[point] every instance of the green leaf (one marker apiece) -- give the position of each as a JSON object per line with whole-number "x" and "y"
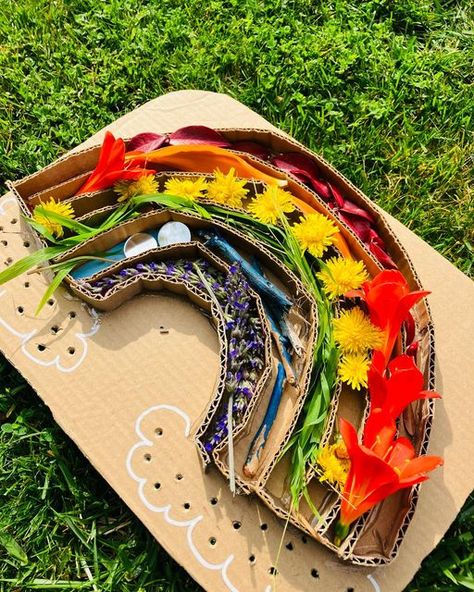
{"x": 54, "y": 285}
{"x": 64, "y": 221}
{"x": 28, "y": 262}
{"x": 466, "y": 582}
{"x": 12, "y": 547}
{"x": 174, "y": 202}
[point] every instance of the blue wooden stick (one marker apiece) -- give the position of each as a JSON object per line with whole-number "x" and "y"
{"x": 263, "y": 286}
{"x": 260, "y": 439}
{"x": 281, "y": 341}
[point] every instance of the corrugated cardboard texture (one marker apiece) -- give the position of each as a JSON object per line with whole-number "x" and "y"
{"x": 115, "y": 386}
{"x": 375, "y": 538}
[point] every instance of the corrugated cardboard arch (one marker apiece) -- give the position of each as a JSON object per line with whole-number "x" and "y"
{"x": 115, "y": 421}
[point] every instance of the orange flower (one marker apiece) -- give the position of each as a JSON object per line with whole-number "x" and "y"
{"x": 396, "y": 387}
{"x": 373, "y": 478}
{"x": 111, "y": 166}
{"x": 382, "y": 465}
{"x": 389, "y": 301}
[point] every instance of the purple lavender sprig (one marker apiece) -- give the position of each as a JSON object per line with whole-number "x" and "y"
{"x": 245, "y": 353}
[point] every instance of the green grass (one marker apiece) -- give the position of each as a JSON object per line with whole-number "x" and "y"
{"x": 384, "y": 89}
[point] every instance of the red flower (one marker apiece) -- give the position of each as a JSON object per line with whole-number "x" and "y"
{"x": 372, "y": 478}
{"x": 390, "y": 391}
{"x": 389, "y": 301}
{"x": 111, "y": 166}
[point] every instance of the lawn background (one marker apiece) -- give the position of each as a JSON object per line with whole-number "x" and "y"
{"x": 384, "y": 89}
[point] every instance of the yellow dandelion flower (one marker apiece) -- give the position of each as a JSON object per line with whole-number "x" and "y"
{"x": 189, "y": 188}
{"x": 227, "y": 189}
{"x": 53, "y": 207}
{"x": 355, "y": 334}
{"x": 144, "y": 185}
{"x": 341, "y": 275}
{"x": 315, "y": 233}
{"x": 334, "y": 463}
{"x": 353, "y": 370}
{"x": 271, "y": 204}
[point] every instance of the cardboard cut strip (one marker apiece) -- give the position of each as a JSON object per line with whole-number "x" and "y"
{"x": 84, "y": 415}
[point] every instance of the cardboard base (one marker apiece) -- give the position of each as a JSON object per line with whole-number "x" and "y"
{"x": 132, "y": 425}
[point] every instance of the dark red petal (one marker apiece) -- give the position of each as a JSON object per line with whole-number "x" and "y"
{"x": 359, "y": 226}
{"x": 302, "y": 176}
{"x": 412, "y": 349}
{"x": 198, "y": 134}
{"x": 350, "y": 207}
{"x": 337, "y": 195}
{"x": 376, "y": 239}
{"x": 146, "y": 142}
{"x": 254, "y": 148}
{"x": 321, "y": 188}
{"x": 410, "y": 328}
{"x": 295, "y": 160}
{"x": 381, "y": 256}
{"x": 300, "y": 164}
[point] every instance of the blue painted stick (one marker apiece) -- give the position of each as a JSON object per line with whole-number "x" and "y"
{"x": 280, "y": 340}
{"x": 260, "y": 439}
{"x": 286, "y": 334}
{"x": 278, "y": 298}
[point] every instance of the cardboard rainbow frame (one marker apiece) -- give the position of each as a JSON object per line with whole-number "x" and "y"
{"x": 152, "y": 310}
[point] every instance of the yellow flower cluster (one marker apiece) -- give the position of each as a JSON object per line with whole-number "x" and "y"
{"x": 227, "y": 189}
{"x": 340, "y": 275}
{"x": 355, "y": 336}
{"x": 191, "y": 188}
{"x": 42, "y": 215}
{"x": 144, "y": 185}
{"x": 334, "y": 463}
{"x": 270, "y": 205}
{"x": 353, "y": 369}
{"x": 315, "y": 233}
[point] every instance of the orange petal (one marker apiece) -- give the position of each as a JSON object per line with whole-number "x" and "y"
{"x": 203, "y": 159}
{"x": 419, "y": 466}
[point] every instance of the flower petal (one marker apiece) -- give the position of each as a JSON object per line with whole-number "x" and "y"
{"x": 381, "y": 255}
{"x": 417, "y": 467}
{"x": 337, "y": 196}
{"x": 300, "y": 164}
{"x": 198, "y": 134}
{"x": 147, "y": 141}
{"x": 360, "y": 226}
{"x": 253, "y": 148}
{"x": 350, "y": 207}
{"x": 379, "y": 431}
